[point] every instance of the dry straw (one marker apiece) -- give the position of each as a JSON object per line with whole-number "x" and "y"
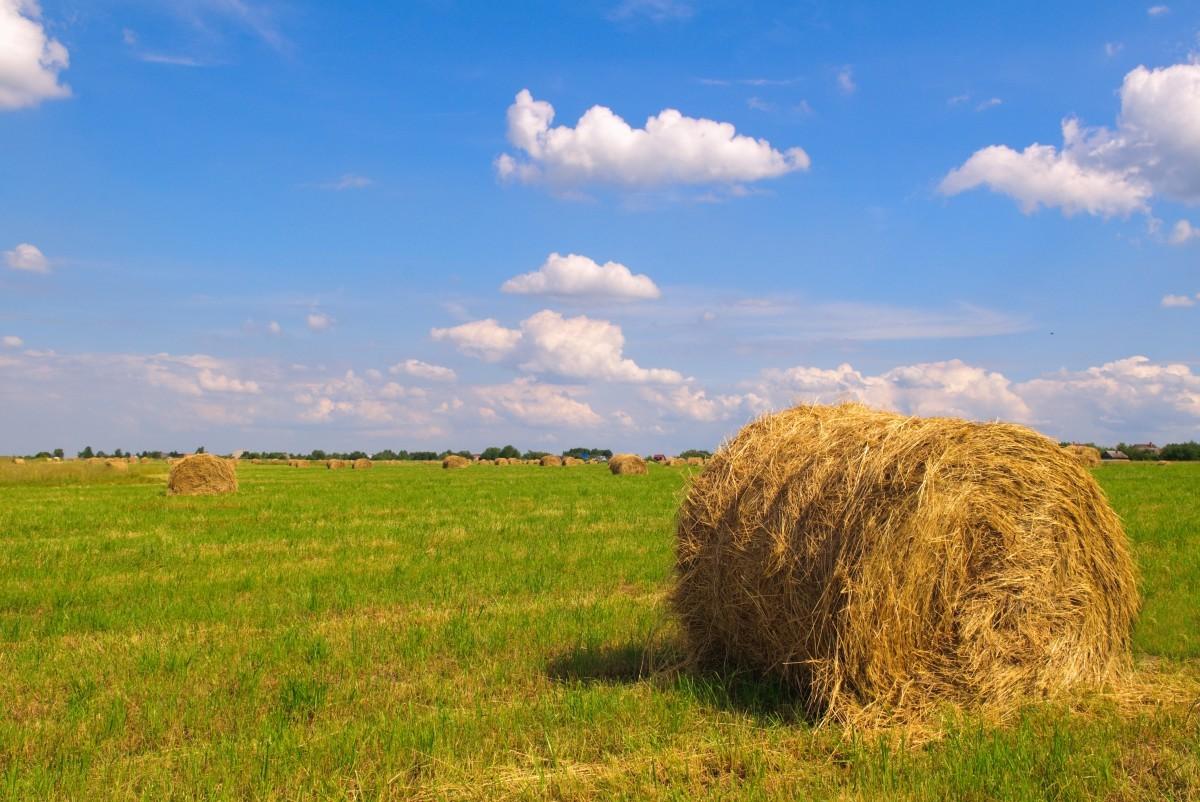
{"x": 627, "y": 464}
{"x": 361, "y": 464}
{"x": 550, "y": 461}
{"x": 298, "y": 463}
{"x": 569, "y": 461}
{"x": 455, "y": 461}
{"x": 1086, "y": 456}
{"x": 117, "y": 465}
{"x": 335, "y": 464}
{"x": 885, "y": 565}
{"x": 202, "y": 475}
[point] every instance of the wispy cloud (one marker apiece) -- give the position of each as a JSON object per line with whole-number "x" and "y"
{"x": 348, "y": 181}
{"x": 653, "y": 10}
{"x": 845, "y": 81}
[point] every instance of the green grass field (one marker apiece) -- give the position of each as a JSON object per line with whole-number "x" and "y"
{"x": 408, "y": 632}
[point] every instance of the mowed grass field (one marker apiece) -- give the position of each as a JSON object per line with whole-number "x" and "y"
{"x": 490, "y": 633}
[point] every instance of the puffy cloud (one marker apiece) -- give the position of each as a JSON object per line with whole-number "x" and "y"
{"x": 1154, "y": 150}
{"x": 274, "y": 328}
{"x": 578, "y": 276}
{"x": 212, "y": 382}
{"x": 1182, "y": 232}
{"x": 1170, "y": 301}
{"x": 577, "y": 347}
{"x": 319, "y": 321}
{"x": 1121, "y": 399}
{"x": 423, "y": 370}
{"x": 30, "y": 61}
{"x": 27, "y": 257}
{"x": 11, "y": 341}
{"x": 603, "y": 148}
{"x": 933, "y": 388}
{"x": 696, "y": 405}
{"x": 541, "y": 405}
{"x": 845, "y": 81}
{"x": 483, "y": 339}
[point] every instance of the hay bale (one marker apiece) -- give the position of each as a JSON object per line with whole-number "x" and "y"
{"x": 1162, "y": 462}
{"x": 202, "y": 475}
{"x": 695, "y": 461}
{"x": 298, "y": 463}
{"x": 119, "y": 465}
{"x": 361, "y": 464}
{"x": 627, "y": 464}
{"x": 335, "y": 464}
{"x": 18, "y": 460}
{"x": 550, "y": 461}
{"x": 453, "y": 461}
{"x": 1086, "y": 456}
{"x": 676, "y": 462}
{"x": 569, "y": 461}
{"x": 884, "y": 565}
{"x": 132, "y": 460}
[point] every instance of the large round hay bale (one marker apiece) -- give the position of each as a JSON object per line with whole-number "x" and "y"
{"x": 335, "y": 464}
{"x": 550, "y": 461}
{"x": 695, "y": 461}
{"x": 884, "y": 564}
{"x": 453, "y": 461}
{"x": 18, "y": 460}
{"x": 202, "y": 475}
{"x": 132, "y": 459}
{"x": 676, "y": 462}
{"x": 630, "y": 464}
{"x": 118, "y": 465}
{"x": 570, "y": 461}
{"x": 1086, "y": 456}
{"x": 298, "y": 463}
{"x": 361, "y": 464}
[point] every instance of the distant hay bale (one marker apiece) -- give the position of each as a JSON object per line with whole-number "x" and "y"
{"x": 501, "y": 460}
{"x": 361, "y": 464}
{"x": 550, "y": 461}
{"x": 133, "y": 460}
{"x": 453, "y": 461}
{"x": 18, "y": 460}
{"x": 676, "y": 462}
{"x": 568, "y": 461}
{"x": 119, "y": 465}
{"x": 1086, "y": 456}
{"x": 335, "y": 464}
{"x": 202, "y": 475}
{"x": 627, "y": 464}
{"x": 486, "y": 462}
{"x": 884, "y": 565}
{"x": 1162, "y": 462}
{"x": 298, "y": 463}
{"x": 695, "y": 460}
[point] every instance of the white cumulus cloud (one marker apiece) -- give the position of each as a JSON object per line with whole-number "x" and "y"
{"x": 546, "y": 342}
{"x": 423, "y": 370}
{"x": 11, "y": 341}
{"x": 541, "y": 405}
{"x": 1154, "y": 150}
{"x": 1177, "y": 301}
{"x": 30, "y": 61}
{"x": 602, "y": 148}
{"x": 319, "y": 321}
{"x": 1182, "y": 232}
{"x": 27, "y": 257}
{"x": 578, "y": 276}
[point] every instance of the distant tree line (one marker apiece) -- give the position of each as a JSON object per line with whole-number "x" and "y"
{"x": 1172, "y": 452}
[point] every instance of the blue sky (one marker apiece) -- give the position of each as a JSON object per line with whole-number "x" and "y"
{"x": 288, "y": 225}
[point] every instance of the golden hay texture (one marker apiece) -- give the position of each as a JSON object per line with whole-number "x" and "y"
{"x": 883, "y": 564}
{"x": 1086, "y": 456}
{"x": 361, "y": 464}
{"x": 550, "y": 460}
{"x": 568, "y": 461}
{"x": 133, "y": 460}
{"x": 627, "y": 464}
{"x": 695, "y": 460}
{"x": 335, "y": 464}
{"x": 298, "y": 463}
{"x": 676, "y": 462}
{"x": 117, "y": 465}
{"x": 502, "y": 460}
{"x": 202, "y": 475}
{"x": 455, "y": 461}
{"x": 18, "y": 460}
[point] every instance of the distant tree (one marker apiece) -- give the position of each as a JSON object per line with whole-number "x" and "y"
{"x": 386, "y": 454}
{"x": 1181, "y": 451}
{"x": 586, "y": 453}
{"x": 424, "y": 456}
{"x": 58, "y": 452}
{"x": 692, "y": 452}
{"x": 1136, "y": 454}
{"x": 87, "y": 453}
{"x": 535, "y": 454}
{"x": 317, "y": 454}
{"x": 491, "y": 452}
{"x": 200, "y": 450}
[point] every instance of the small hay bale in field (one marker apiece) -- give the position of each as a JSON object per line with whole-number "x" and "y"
{"x": 1162, "y": 462}
{"x": 18, "y": 460}
{"x": 1086, "y": 456}
{"x": 486, "y": 462}
{"x": 335, "y": 464}
{"x": 132, "y": 459}
{"x": 298, "y": 463}
{"x": 884, "y": 565}
{"x": 695, "y": 461}
{"x": 453, "y": 461}
{"x": 550, "y": 461}
{"x": 501, "y": 460}
{"x": 361, "y": 464}
{"x": 202, "y": 475}
{"x": 121, "y": 466}
{"x": 569, "y": 461}
{"x": 676, "y": 462}
{"x": 627, "y": 464}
